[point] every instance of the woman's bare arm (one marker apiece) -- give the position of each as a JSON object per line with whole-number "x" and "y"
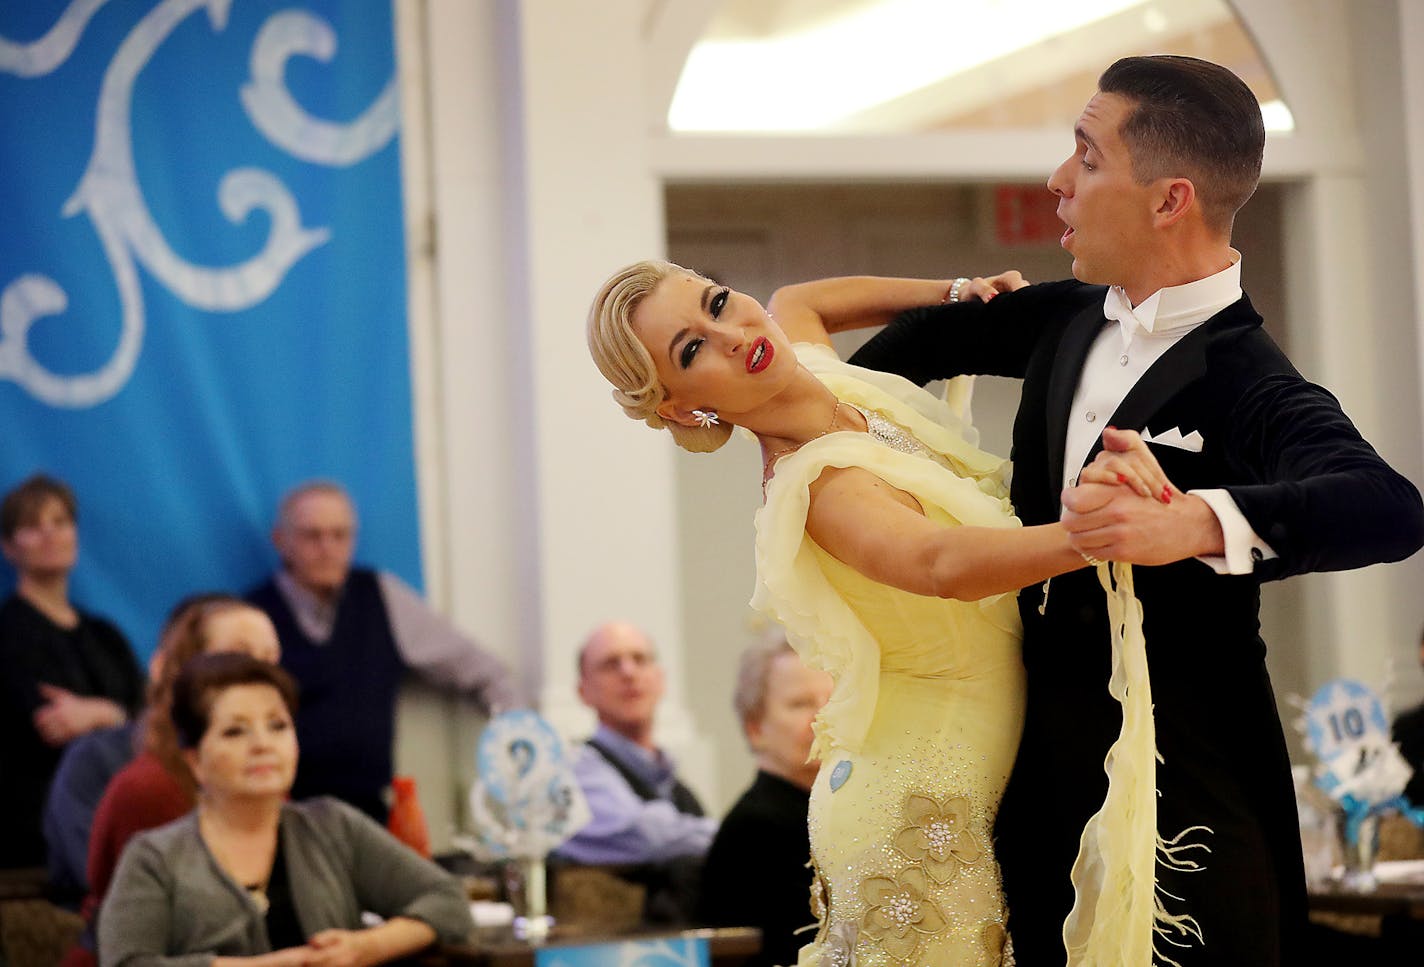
{"x": 810, "y": 311}
{"x": 881, "y": 532}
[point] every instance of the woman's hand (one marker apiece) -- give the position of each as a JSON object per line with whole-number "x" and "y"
{"x": 286, "y": 957}
{"x": 65, "y": 715}
{"x": 985, "y": 289}
{"x": 340, "y": 948}
{"x": 397, "y": 937}
{"x": 1126, "y": 461}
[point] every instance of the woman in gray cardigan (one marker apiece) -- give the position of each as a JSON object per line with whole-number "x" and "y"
{"x": 251, "y": 880}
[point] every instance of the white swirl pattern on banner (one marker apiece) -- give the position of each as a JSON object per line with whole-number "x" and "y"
{"x": 109, "y": 193}
{"x": 44, "y": 55}
{"x": 284, "y": 122}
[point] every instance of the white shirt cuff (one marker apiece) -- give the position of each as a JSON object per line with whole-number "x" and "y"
{"x": 1244, "y": 547}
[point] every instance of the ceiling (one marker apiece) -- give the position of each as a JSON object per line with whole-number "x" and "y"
{"x": 884, "y": 66}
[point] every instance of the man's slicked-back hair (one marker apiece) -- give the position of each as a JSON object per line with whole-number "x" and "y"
{"x": 1191, "y": 119}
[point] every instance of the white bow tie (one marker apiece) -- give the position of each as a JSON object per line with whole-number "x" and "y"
{"x": 1117, "y": 309}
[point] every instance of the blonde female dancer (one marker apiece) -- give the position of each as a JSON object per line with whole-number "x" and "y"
{"x": 887, "y": 549}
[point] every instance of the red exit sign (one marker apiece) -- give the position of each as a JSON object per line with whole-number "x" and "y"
{"x": 1026, "y": 215}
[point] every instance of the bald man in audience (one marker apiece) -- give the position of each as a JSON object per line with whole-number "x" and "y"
{"x": 349, "y": 635}
{"x": 641, "y": 811}
{"x": 645, "y": 820}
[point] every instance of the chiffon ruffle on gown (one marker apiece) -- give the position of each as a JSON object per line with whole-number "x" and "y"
{"x": 922, "y": 727}
{"x": 919, "y": 735}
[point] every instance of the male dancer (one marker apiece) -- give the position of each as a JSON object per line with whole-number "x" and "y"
{"x": 1156, "y": 336}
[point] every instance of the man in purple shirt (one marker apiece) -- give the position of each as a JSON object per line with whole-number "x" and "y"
{"x": 642, "y": 814}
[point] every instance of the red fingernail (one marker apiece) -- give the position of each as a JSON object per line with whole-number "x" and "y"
{"x": 1166, "y": 495}
{"x": 1122, "y": 478}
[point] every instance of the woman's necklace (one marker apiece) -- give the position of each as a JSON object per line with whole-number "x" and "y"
{"x": 235, "y": 860}
{"x": 772, "y": 457}
{"x": 258, "y": 893}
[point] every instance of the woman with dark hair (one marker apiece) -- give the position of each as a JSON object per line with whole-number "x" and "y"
{"x": 248, "y": 875}
{"x": 63, "y": 673}
{"x": 155, "y": 786}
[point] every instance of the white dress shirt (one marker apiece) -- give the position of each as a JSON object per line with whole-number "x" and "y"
{"x": 1118, "y": 358}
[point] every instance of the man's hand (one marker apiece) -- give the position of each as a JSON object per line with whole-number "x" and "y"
{"x": 1113, "y": 523}
{"x": 65, "y": 716}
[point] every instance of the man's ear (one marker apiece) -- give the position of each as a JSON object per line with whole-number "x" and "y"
{"x": 1176, "y": 197}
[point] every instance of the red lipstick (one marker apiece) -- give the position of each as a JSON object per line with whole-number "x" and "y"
{"x": 759, "y": 356}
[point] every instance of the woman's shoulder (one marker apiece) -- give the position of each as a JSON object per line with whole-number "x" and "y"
{"x": 21, "y": 623}
{"x": 330, "y": 819}
{"x": 325, "y": 810}
{"x": 102, "y": 628}
{"x": 174, "y": 838}
{"x": 141, "y": 795}
{"x": 144, "y": 777}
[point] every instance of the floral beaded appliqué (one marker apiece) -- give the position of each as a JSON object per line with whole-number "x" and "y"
{"x": 899, "y": 913}
{"x": 937, "y": 836}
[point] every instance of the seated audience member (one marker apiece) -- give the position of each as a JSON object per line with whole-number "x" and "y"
{"x": 85, "y": 769}
{"x": 757, "y": 873}
{"x": 1408, "y": 733}
{"x": 641, "y": 812}
{"x": 156, "y": 787}
{"x": 348, "y": 636}
{"x": 249, "y": 872}
{"x": 63, "y": 673}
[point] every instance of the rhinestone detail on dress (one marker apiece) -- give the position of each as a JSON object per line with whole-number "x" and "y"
{"x": 890, "y": 434}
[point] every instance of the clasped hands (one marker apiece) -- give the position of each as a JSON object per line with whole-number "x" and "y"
{"x": 328, "y": 948}
{"x": 1125, "y": 509}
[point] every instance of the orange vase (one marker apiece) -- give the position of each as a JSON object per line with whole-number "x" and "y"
{"x": 407, "y": 819}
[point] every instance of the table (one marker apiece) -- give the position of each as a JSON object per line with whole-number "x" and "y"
{"x": 729, "y": 946}
{"x": 1386, "y": 900}
{"x": 1385, "y": 925}
{"x": 24, "y": 883}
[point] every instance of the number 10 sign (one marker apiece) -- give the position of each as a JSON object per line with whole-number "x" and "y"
{"x": 1343, "y": 717}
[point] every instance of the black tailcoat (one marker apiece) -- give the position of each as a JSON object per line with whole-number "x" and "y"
{"x": 1307, "y": 483}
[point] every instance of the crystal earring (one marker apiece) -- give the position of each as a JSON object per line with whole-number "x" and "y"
{"x": 705, "y": 418}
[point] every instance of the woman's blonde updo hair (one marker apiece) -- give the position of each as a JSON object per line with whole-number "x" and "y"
{"x": 626, "y": 363}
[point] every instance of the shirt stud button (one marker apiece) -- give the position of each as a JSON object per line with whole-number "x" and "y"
{"x": 1122, "y": 360}
{"x": 1091, "y": 416}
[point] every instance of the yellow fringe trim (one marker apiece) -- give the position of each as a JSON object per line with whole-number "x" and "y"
{"x": 1119, "y": 911}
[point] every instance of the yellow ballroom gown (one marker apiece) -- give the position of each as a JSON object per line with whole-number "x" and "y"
{"x": 919, "y": 736}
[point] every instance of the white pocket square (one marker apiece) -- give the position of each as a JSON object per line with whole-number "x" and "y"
{"x": 1192, "y": 442}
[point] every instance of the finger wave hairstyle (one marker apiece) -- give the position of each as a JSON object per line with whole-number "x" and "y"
{"x": 626, "y": 363}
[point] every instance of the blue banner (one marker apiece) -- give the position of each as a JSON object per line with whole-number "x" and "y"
{"x": 202, "y": 283}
